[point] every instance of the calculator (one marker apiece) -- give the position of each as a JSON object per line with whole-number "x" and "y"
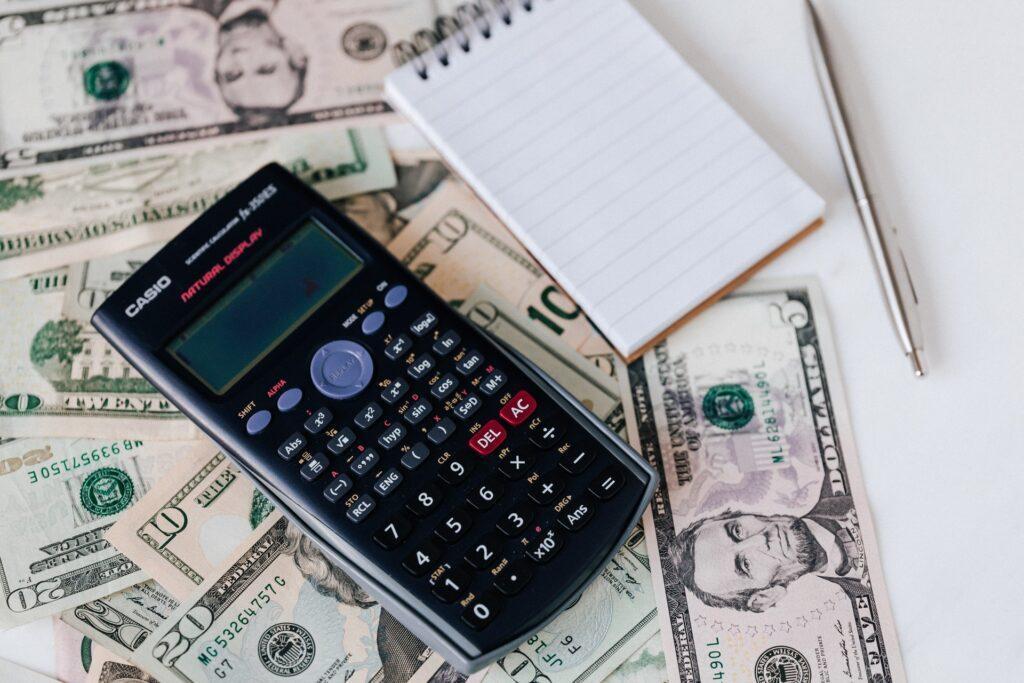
{"x": 461, "y": 487}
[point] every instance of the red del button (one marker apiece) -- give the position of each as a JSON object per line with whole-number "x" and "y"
{"x": 488, "y": 438}
{"x": 518, "y": 409}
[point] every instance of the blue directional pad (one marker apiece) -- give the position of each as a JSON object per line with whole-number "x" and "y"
{"x": 341, "y": 369}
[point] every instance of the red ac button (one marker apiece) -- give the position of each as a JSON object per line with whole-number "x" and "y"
{"x": 518, "y": 409}
{"x": 488, "y": 438}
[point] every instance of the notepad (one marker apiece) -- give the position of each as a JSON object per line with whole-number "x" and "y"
{"x": 630, "y": 180}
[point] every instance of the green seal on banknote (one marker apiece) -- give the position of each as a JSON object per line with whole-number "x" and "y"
{"x": 107, "y": 491}
{"x": 782, "y": 665}
{"x": 728, "y": 406}
{"x": 106, "y": 80}
{"x": 286, "y": 649}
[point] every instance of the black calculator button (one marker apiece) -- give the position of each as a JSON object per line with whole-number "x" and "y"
{"x": 445, "y": 386}
{"x": 317, "y": 422}
{"x": 486, "y": 494}
{"x": 292, "y": 446}
{"x": 394, "y": 391}
{"x": 446, "y": 343}
{"x": 543, "y": 547}
{"x": 546, "y": 488}
{"x": 398, "y": 347}
{"x": 394, "y": 531}
{"x": 345, "y": 438}
{"x": 440, "y": 431}
{"x": 372, "y": 322}
{"x": 484, "y": 552}
{"x": 492, "y": 382}
{"x": 451, "y": 584}
{"x": 338, "y": 487}
{"x": 418, "y": 410}
{"x": 391, "y": 436}
{"x": 361, "y": 508}
{"x": 314, "y": 467}
{"x": 514, "y": 522}
{"x": 421, "y": 366}
{"x": 424, "y": 502}
{"x": 513, "y": 578}
{"x": 481, "y": 612}
{"x": 454, "y": 470}
{"x": 387, "y": 482}
{"x": 423, "y": 324}
{"x": 470, "y": 363}
{"x": 575, "y": 516}
{"x": 576, "y": 461}
{"x": 364, "y": 462}
{"x": 516, "y": 465}
{"x": 415, "y": 456}
{"x": 395, "y": 296}
{"x": 467, "y": 406}
{"x": 546, "y": 433}
{"x": 454, "y": 526}
{"x": 608, "y": 483}
{"x": 368, "y": 414}
{"x": 289, "y": 399}
{"x": 423, "y": 559}
{"x": 257, "y": 422}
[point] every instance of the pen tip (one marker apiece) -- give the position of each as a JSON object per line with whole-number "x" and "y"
{"x": 917, "y": 361}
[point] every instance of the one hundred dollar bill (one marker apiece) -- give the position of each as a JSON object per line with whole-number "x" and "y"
{"x": 58, "y": 216}
{"x": 455, "y": 244}
{"x": 193, "y": 519}
{"x": 101, "y": 80}
{"x": 121, "y": 621}
{"x": 59, "y": 377}
{"x": 760, "y": 533}
{"x": 278, "y": 610}
{"x": 58, "y": 497}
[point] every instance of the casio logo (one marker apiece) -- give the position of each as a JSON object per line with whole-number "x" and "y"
{"x": 151, "y": 293}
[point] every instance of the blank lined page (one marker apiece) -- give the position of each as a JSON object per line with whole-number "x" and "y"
{"x": 631, "y": 181}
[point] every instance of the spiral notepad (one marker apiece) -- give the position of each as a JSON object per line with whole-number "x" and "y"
{"x": 630, "y": 180}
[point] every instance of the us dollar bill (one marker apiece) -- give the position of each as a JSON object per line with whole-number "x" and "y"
{"x": 103, "y": 80}
{"x": 121, "y": 621}
{"x": 760, "y": 534}
{"x": 195, "y": 517}
{"x": 59, "y": 377}
{"x": 594, "y": 389}
{"x": 455, "y": 244}
{"x": 59, "y": 497}
{"x": 72, "y": 653}
{"x": 276, "y": 610}
{"x": 73, "y": 213}
{"x": 646, "y": 665}
{"x": 615, "y": 615}
{"x": 108, "y": 667}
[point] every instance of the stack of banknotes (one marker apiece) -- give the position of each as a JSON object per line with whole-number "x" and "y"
{"x": 119, "y": 124}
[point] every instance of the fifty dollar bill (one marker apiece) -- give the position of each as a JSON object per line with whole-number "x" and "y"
{"x": 759, "y": 531}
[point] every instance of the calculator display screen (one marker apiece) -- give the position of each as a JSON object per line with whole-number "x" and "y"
{"x": 259, "y": 311}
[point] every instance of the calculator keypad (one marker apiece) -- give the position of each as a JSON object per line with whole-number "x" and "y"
{"x": 469, "y": 477}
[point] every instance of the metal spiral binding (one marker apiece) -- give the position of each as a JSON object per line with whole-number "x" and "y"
{"x": 477, "y": 17}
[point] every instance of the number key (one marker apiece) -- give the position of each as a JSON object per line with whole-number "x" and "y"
{"x": 484, "y": 552}
{"x": 394, "y": 531}
{"x": 515, "y": 520}
{"x": 451, "y": 584}
{"x": 454, "y": 470}
{"x": 485, "y": 495}
{"x": 481, "y": 612}
{"x": 425, "y": 502}
{"x": 454, "y": 526}
{"x": 422, "y": 559}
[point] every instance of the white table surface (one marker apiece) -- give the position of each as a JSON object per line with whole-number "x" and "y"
{"x": 936, "y": 88}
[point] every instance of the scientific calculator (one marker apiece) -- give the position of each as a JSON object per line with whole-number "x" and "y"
{"x": 459, "y": 485}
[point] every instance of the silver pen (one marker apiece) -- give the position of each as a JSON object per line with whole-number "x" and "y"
{"x": 889, "y": 262}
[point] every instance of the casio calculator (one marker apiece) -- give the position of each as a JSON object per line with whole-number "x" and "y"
{"x": 459, "y": 485}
